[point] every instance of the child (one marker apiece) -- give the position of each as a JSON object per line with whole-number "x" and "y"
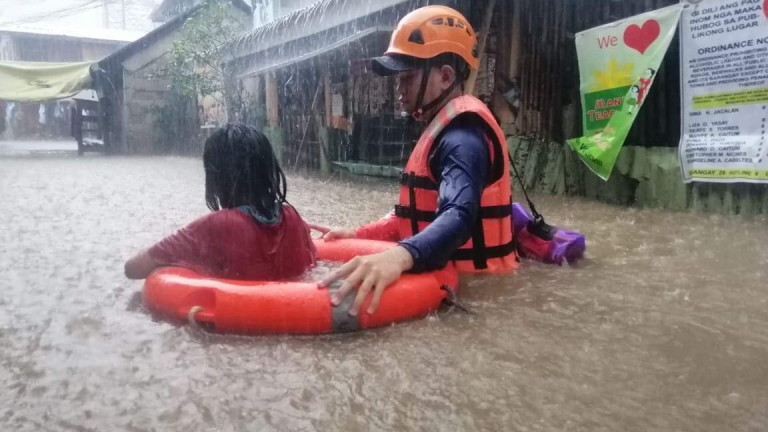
{"x": 252, "y": 232}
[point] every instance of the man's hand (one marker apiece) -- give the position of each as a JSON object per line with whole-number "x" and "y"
{"x": 370, "y": 272}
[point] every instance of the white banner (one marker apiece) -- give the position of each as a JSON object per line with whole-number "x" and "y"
{"x": 724, "y": 64}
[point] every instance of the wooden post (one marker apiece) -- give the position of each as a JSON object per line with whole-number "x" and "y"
{"x": 324, "y": 133}
{"x": 327, "y": 96}
{"x": 514, "y": 64}
{"x": 484, "y": 28}
{"x": 515, "y": 44}
{"x": 312, "y": 116}
{"x": 273, "y": 112}
{"x": 259, "y": 100}
{"x": 499, "y": 105}
{"x": 271, "y": 100}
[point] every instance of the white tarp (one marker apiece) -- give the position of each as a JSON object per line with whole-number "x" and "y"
{"x": 36, "y": 82}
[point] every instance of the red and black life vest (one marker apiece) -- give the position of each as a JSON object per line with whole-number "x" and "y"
{"x": 491, "y": 248}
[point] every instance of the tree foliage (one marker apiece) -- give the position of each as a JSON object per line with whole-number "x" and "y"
{"x": 198, "y": 56}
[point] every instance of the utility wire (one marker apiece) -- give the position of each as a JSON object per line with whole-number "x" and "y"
{"x": 59, "y": 13}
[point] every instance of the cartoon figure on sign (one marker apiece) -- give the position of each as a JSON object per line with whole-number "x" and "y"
{"x": 645, "y": 84}
{"x": 633, "y": 99}
{"x": 639, "y": 91}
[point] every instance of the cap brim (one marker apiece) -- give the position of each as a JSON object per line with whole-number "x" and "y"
{"x": 392, "y": 64}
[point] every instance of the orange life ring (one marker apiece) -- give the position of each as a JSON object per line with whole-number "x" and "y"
{"x": 264, "y": 307}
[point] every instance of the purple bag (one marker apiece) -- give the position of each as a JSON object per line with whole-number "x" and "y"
{"x": 543, "y": 242}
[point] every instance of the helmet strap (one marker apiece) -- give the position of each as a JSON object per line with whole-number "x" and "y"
{"x": 418, "y": 114}
{"x": 439, "y": 99}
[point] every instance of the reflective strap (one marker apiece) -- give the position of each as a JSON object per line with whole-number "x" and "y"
{"x": 515, "y": 239}
{"x": 439, "y": 123}
{"x": 435, "y": 128}
{"x": 421, "y": 215}
{"x": 418, "y": 182}
{"x": 479, "y": 258}
{"x": 412, "y": 204}
{"x": 490, "y": 212}
{"x": 496, "y": 212}
{"x": 489, "y": 252}
{"x": 450, "y": 111}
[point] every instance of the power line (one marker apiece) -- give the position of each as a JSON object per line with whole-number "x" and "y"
{"x": 121, "y": 14}
{"x": 60, "y": 13}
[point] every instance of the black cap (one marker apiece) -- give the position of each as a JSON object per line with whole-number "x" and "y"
{"x": 393, "y": 64}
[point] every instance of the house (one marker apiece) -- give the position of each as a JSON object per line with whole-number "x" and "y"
{"x": 266, "y": 11}
{"x": 36, "y": 44}
{"x": 308, "y": 84}
{"x": 143, "y": 115}
{"x": 129, "y": 15}
{"x": 307, "y": 80}
{"x": 27, "y": 43}
{"x": 170, "y": 9}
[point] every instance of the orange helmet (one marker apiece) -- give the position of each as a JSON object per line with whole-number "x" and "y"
{"x": 426, "y": 33}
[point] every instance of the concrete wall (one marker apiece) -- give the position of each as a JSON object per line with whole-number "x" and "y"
{"x": 154, "y": 119}
{"x": 326, "y": 15}
{"x": 144, "y": 96}
{"x": 92, "y": 51}
{"x": 45, "y": 48}
{"x": 6, "y": 48}
{"x": 276, "y": 137}
{"x": 643, "y": 176}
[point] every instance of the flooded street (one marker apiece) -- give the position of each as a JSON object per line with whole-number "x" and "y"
{"x": 664, "y": 327}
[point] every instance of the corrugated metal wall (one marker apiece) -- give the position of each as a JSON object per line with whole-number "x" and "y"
{"x": 549, "y": 76}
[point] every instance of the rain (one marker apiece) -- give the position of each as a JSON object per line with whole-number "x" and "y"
{"x": 661, "y": 325}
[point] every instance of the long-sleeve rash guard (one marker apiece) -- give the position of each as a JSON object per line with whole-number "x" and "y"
{"x": 460, "y": 164}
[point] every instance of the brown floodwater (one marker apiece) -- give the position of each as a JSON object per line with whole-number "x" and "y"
{"x": 663, "y": 327}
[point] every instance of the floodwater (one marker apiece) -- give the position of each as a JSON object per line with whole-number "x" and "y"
{"x": 664, "y": 327}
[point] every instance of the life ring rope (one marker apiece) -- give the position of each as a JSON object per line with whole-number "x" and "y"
{"x": 194, "y": 310}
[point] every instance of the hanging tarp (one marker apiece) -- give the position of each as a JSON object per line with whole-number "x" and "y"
{"x": 617, "y": 65}
{"x": 36, "y": 82}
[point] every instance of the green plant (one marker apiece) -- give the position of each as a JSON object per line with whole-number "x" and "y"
{"x": 198, "y": 57}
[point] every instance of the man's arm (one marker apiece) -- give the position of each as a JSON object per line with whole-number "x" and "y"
{"x": 464, "y": 161}
{"x": 462, "y": 157}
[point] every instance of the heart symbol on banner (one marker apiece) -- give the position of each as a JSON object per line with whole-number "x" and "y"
{"x": 765, "y": 8}
{"x": 640, "y": 38}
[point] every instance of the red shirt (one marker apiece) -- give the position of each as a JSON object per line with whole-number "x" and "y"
{"x": 231, "y": 244}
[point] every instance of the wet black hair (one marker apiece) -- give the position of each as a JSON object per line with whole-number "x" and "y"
{"x": 241, "y": 170}
{"x": 453, "y": 60}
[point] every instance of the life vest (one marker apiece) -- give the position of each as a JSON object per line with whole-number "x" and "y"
{"x": 491, "y": 247}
